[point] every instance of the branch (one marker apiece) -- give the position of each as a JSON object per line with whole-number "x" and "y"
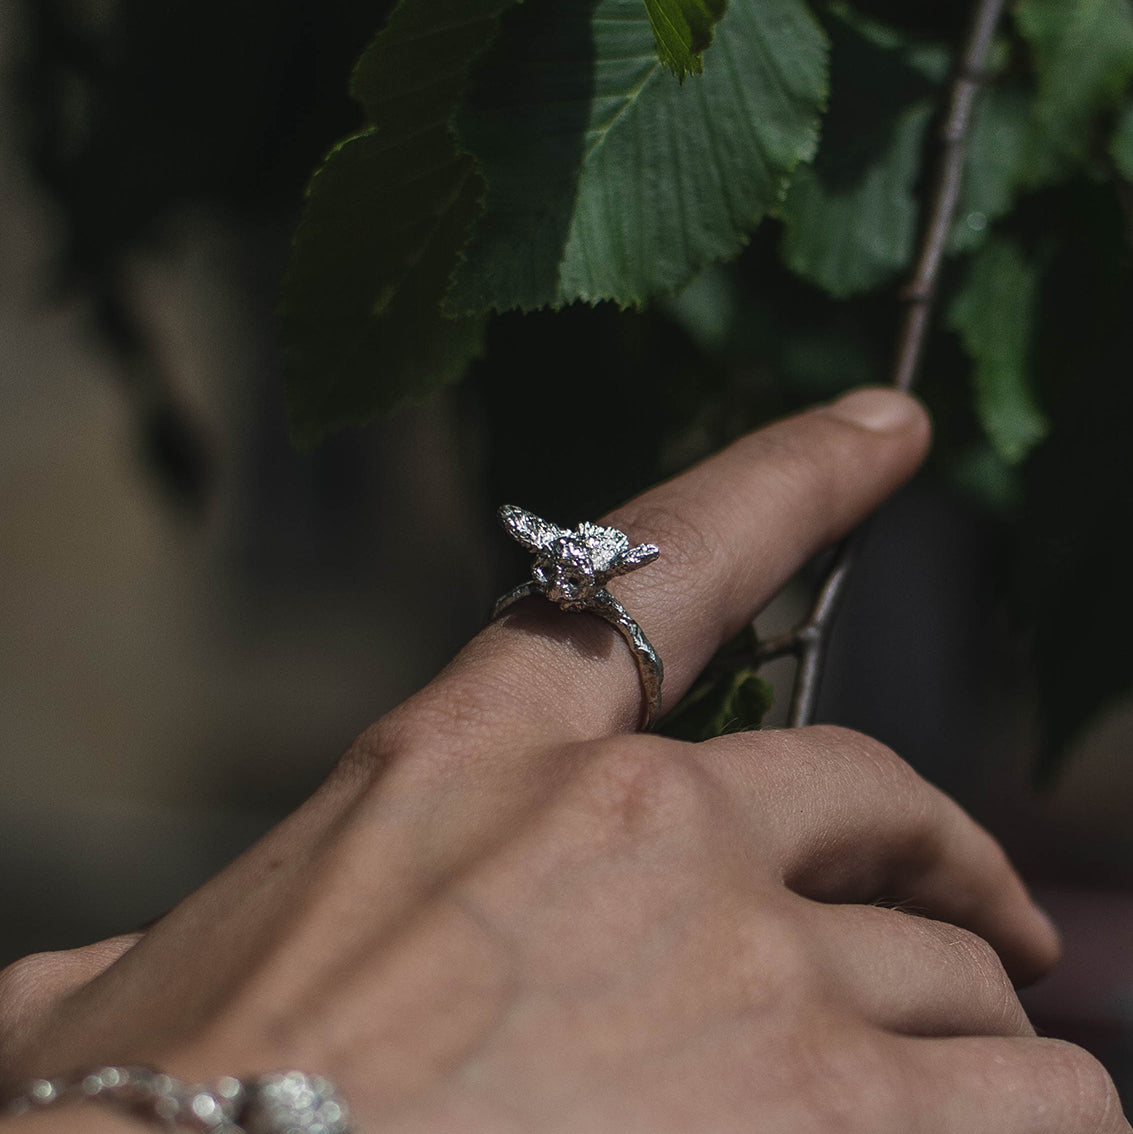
{"x": 920, "y": 293}
{"x": 809, "y": 640}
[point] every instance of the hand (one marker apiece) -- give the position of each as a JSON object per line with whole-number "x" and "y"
{"x": 504, "y": 911}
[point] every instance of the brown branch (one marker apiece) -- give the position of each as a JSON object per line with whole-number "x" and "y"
{"x": 809, "y": 640}
{"x": 920, "y": 292}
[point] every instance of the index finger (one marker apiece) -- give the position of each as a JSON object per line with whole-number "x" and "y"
{"x": 731, "y": 530}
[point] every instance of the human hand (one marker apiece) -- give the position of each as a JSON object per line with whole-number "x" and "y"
{"x": 504, "y": 911}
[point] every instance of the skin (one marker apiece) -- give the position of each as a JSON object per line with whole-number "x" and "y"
{"x": 504, "y": 911}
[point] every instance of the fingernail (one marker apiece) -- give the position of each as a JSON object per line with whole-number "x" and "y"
{"x": 876, "y": 407}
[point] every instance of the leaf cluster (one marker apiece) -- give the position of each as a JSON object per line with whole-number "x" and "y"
{"x": 527, "y": 156}
{"x": 747, "y": 182}
{"x": 729, "y": 696}
{"x": 521, "y": 156}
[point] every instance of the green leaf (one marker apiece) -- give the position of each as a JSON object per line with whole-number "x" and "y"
{"x": 1083, "y": 55}
{"x": 851, "y": 218}
{"x": 707, "y": 310}
{"x": 851, "y": 239}
{"x": 606, "y": 180}
{"x": 994, "y": 164}
{"x": 381, "y": 231}
{"x": 363, "y": 328}
{"x": 981, "y": 473}
{"x": 682, "y": 29}
{"x": 733, "y": 702}
{"x": 414, "y": 71}
{"x": 993, "y": 313}
{"x": 729, "y": 696}
{"x": 1121, "y": 144}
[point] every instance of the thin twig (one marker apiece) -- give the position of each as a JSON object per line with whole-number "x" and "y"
{"x": 809, "y": 640}
{"x": 920, "y": 292}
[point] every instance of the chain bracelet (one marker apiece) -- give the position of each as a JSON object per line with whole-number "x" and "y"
{"x": 286, "y": 1102}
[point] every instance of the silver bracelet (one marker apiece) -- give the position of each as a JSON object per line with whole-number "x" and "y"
{"x": 285, "y": 1102}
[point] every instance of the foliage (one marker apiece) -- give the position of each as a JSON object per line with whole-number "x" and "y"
{"x": 851, "y": 216}
{"x": 749, "y": 181}
{"x": 993, "y": 313}
{"x": 599, "y": 178}
{"x": 572, "y": 103}
{"x": 728, "y": 697}
{"x": 1083, "y": 54}
{"x": 682, "y": 29}
{"x": 387, "y": 214}
{"x": 491, "y": 177}
{"x": 549, "y": 160}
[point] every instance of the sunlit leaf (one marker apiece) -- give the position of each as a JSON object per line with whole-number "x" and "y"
{"x": 682, "y": 30}
{"x": 606, "y": 180}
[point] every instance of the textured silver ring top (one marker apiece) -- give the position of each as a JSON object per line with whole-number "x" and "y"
{"x": 571, "y": 569}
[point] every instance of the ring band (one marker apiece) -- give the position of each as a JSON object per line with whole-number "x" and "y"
{"x": 571, "y": 568}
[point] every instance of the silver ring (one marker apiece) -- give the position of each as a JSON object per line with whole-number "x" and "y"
{"x": 284, "y": 1102}
{"x": 571, "y": 569}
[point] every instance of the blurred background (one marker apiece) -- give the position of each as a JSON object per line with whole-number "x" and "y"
{"x": 196, "y": 619}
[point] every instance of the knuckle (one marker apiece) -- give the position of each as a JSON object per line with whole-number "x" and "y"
{"x": 783, "y": 974}
{"x": 906, "y": 793}
{"x": 868, "y": 759}
{"x": 28, "y": 977}
{"x": 858, "y": 746}
{"x": 984, "y": 970}
{"x": 976, "y": 956}
{"x": 33, "y": 983}
{"x": 971, "y": 968}
{"x": 458, "y": 706}
{"x": 446, "y": 717}
{"x": 880, "y": 761}
{"x": 1090, "y": 1094}
{"x": 28, "y": 987}
{"x": 861, "y": 1088}
{"x": 369, "y": 754}
{"x": 643, "y": 786}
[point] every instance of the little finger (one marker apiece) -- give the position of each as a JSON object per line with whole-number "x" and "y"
{"x": 915, "y": 976}
{"x": 999, "y": 1085}
{"x": 849, "y": 821}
